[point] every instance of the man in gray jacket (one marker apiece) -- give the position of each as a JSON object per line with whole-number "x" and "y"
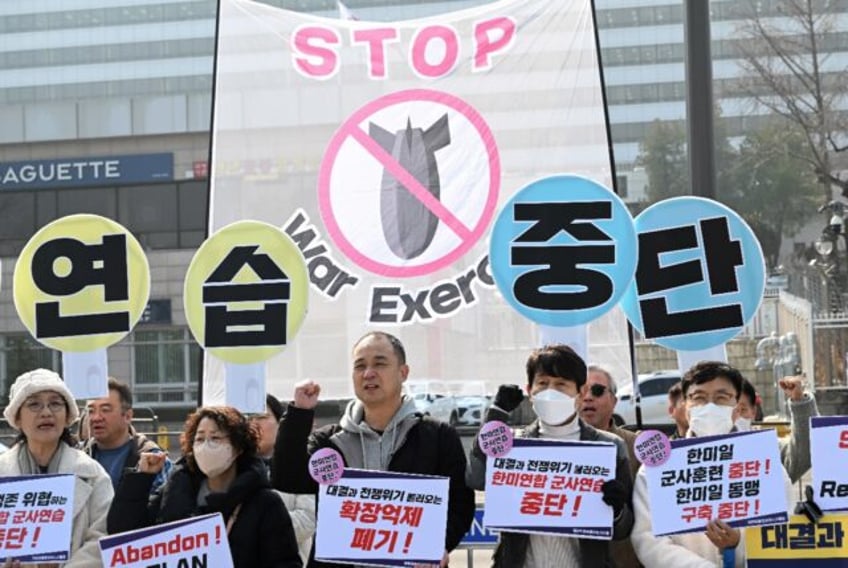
{"x": 555, "y": 374}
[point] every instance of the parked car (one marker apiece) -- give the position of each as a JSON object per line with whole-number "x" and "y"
{"x": 432, "y": 399}
{"x": 653, "y": 388}
{"x": 472, "y": 409}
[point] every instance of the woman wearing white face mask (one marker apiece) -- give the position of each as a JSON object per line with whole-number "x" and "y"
{"x": 219, "y": 473}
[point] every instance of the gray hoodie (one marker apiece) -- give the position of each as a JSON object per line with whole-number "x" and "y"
{"x": 365, "y": 448}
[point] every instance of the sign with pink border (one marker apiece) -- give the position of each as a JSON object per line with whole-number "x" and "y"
{"x": 358, "y": 173}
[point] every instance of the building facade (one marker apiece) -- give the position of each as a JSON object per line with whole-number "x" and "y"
{"x": 130, "y": 82}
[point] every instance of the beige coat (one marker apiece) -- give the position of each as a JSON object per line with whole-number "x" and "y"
{"x": 301, "y": 509}
{"x": 92, "y": 496}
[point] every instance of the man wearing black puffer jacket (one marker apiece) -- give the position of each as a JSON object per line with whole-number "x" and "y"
{"x": 380, "y": 430}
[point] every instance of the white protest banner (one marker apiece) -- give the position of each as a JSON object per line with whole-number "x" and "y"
{"x": 548, "y": 486}
{"x": 309, "y": 118}
{"x": 197, "y": 542}
{"x": 35, "y": 524}
{"x": 382, "y": 518}
{"x": 829, "y": 451}
{"x": 737, "y": 478}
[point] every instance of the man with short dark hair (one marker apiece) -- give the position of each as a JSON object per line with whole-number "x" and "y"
{"x": 711, "y": 391}
{"x": 114, "y": 443}
{"x": 555, "y": 375}
{"x": 380, "y": 430}
{"x": 677, "y": 411}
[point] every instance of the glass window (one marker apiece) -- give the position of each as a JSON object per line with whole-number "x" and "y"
{"x": 148, "y": 208}
{"x": 193, "y": 205}
{"x": 20, "y": 353}
{"x": 100, "y": 201}
{"x": 166, "y": 366}
{"x": 17, "y": 210}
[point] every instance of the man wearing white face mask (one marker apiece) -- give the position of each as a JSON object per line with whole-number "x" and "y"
{"x": 711, "y": 391}
{"x": 555, "y": 374}
{"x": 794, "y": 452}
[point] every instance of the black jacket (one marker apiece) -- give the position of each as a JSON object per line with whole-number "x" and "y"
{"x": 431, "y": 448}
{"x": 262, "y": 535}
{"x": 512, "y": 547}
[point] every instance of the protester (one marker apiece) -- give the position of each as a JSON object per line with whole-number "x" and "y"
{"x": 301, "y": 508}
{"x": 794, "y": 452}
{"x": 677, "y": 411}
{"x": 555, "y": 375}
{"x": 42, "y": 409}
{"x": 114, "y": 443}
{"x": 711, "y": 392}
{"x": 218, "y": 473}
{"x": 380, "y": 430}
{"x": 596, "y": 405}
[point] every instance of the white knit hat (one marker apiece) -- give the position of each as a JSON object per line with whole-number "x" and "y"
{"x": 33, "y": 382}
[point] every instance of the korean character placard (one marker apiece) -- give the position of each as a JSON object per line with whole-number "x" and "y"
{"x": 553, "y": 487}
{"x": 737, "y": 478}
{"x": 382, "y": 518}
{"x": 799, "y": 542}
{"x": 35, "y": 517}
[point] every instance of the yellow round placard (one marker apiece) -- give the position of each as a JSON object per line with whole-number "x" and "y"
{"x": 245, "y": 292}
{"x": 81, "y": 283}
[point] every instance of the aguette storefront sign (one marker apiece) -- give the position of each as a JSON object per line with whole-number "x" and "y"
{"x": 72, "y": 172}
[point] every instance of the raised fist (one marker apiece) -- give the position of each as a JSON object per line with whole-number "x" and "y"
{"x": 508, "y": 397}
{"x": 306, "y": 394}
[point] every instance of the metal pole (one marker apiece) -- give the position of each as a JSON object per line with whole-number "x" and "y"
{"x": 699, "y": 98}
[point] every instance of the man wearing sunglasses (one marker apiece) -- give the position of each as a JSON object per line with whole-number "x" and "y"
{"x": 597, "y": 403}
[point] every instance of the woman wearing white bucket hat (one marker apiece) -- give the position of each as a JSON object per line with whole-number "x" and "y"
{"x": 42, "y": 408}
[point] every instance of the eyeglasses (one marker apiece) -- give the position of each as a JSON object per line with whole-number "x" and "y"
{"x": 720, "y": 398}
{"x": 213, "y": 443}
{"x": 598, "y": 390}
{"x": 36, "y": 406}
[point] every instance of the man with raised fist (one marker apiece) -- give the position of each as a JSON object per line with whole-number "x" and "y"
{"x": 380, "y": 430}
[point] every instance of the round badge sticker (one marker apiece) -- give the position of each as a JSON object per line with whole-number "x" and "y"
{"x": 563, "y": 250}
{"x": 245, "y": 292}
{"x": 701, "y": 274}
{"x": 652, "y": 448}
{"x": 495, "y": 439}
{"x": 81, "y": 283}
{"x": 326, "y": 466}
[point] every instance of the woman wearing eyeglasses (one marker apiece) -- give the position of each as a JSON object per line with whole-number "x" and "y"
{"x": 42, "y": 409}
{"x": 219, "y": 472}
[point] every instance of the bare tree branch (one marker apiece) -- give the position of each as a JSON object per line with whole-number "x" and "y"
{"x": 784, "y": 72}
